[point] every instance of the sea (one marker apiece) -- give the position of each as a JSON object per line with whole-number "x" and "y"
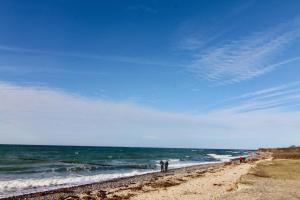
{"x": 33, "y": 168}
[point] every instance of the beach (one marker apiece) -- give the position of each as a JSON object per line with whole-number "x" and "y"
{"x": 35, "y": 169}
{"x": 267, "y": 175}
{"x": 154, "y": 185}
{"x": 201, "y": 181}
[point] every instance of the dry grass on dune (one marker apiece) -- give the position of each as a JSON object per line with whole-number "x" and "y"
{"x": 285, "y": 164}
{"x": 283, "y": 169}
{"x": 272, "y": 179}
{"x": 284, "y": 153}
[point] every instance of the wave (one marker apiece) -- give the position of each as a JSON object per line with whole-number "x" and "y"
{"x": 17, "y": 187}
{"x": 174, "y": 160}
{"x": 25, "y": 169}
{"x": 225, "y": 158}
{"x": 101, "y": 167}
{"x": 24, "y": 186}
{"x": 189, "y": 164}
{"x": 62, "y": 167}
{"x": 179, "y": 163}
{"x": 32, "y": 159}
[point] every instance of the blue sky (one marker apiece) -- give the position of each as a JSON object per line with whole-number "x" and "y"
{"x": 204, "y": 73}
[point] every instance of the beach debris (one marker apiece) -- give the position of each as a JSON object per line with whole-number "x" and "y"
{"x": 123, "y": 197}
{"x": 102, "y": 194}
{"x": 180, "y": 180}
{"x": 232, "y": 187}
{"x": 86, "y": 193}
{"x": 189, "y": 175}
{"x": 137, "y": 188}
{"x": 190, "y": 193}
{"x": 201, "y": 172}
{"x": 87, "y": 197}
{"x": 164, "y": 184}
{"x": 217, "y": 184}
{"x": 229, "y": 189}
{"x": 72, "y": 198}
{"x": 228, "y": 163}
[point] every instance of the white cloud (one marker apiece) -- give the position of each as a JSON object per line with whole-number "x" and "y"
{"x": 31, "y": 115}
{"x": 280, "y": 98}
{"x": 247, "y": 57}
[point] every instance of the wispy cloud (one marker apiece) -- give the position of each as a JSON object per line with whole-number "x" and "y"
{"x": 247, "y": 57}
{"x": 116, "y": 58}
{"x": 275, "y": 98}
{"x": 34, "y": 115}
{"x": 195, "y": 35}
{"x": 268, "y": 91}
{"x": 195, "y": 41}
{"x": 21, "y": 70}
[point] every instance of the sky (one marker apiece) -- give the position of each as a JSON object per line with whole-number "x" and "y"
{"x": 199, "y": 74}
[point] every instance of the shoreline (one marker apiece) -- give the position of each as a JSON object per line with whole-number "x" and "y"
{"x": 271, "y": 174}
{"x": 64, "y": 192}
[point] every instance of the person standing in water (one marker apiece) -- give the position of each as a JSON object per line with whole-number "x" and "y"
{"x": 161, "y": 166}
{"x": 166, "y": 166}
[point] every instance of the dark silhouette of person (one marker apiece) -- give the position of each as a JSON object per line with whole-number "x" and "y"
{"x": 166, "y": 166}
{"x": 161, "y": 166}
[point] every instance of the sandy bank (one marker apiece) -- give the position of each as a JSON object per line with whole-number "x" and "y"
{"x": 210, "y": 185}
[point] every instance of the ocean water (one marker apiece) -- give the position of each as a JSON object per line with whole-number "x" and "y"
{"x": 25, "y": 168}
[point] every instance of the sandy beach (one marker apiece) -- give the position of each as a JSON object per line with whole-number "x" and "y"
{"x": 203, "y": 181}
{"x": 212, "y": 184}
{"x": 270, "y": 175}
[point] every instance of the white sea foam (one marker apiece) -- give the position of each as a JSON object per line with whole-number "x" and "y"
{"x": 23, "y": 186}
{"x": 177, "y": 163}
{"x": 188, "y": 164}
{"x": 224, "y": 158}
{"x": 174, "y": 160}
